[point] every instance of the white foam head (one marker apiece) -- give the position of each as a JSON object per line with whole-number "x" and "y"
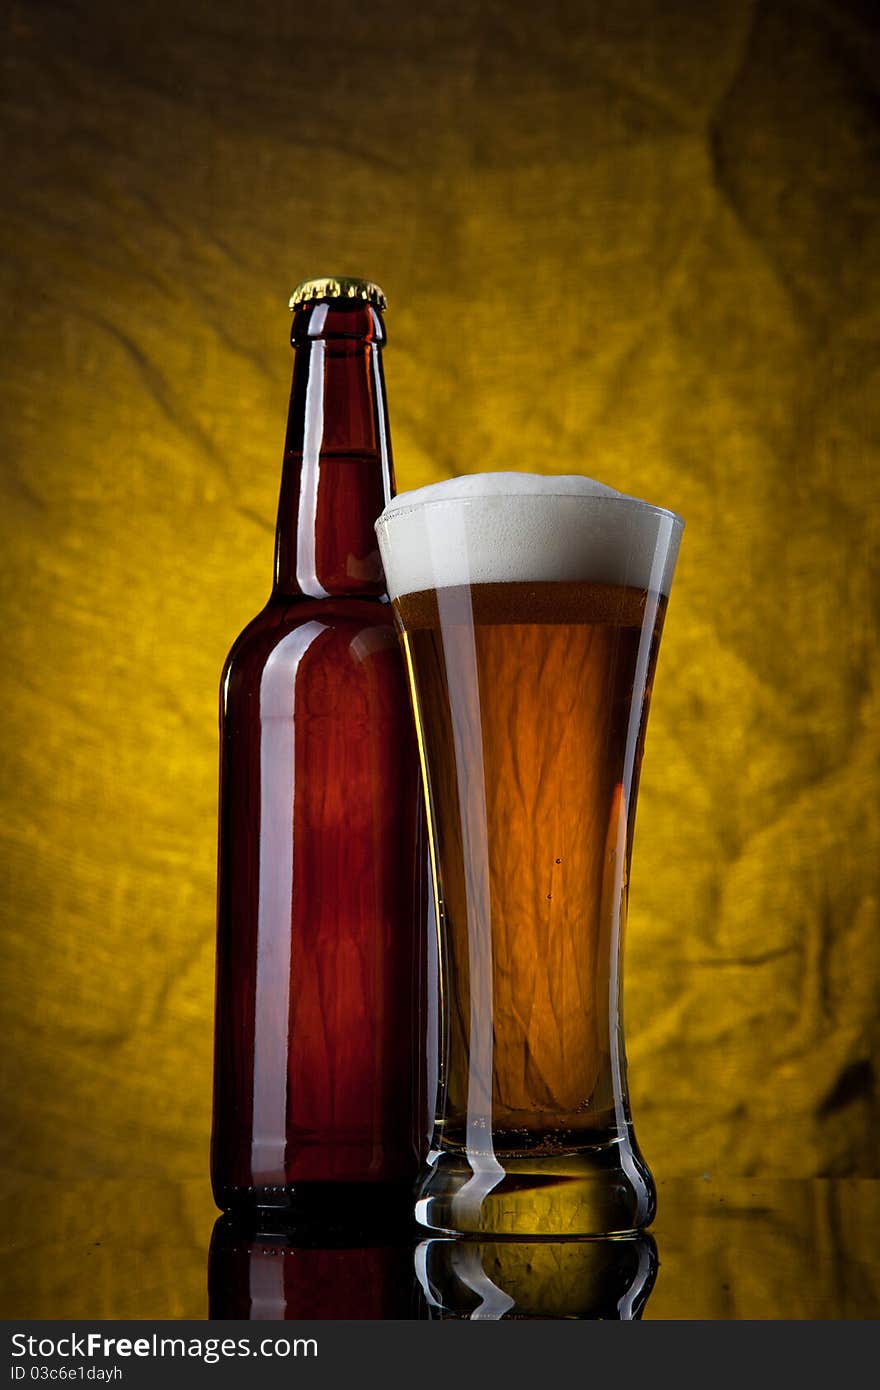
{"x": 486, "y": 528}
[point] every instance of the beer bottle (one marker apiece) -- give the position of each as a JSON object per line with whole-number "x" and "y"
{"x": 321, "y": 888}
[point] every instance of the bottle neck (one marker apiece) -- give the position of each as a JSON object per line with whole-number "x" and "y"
{"x": 337, "y": 474}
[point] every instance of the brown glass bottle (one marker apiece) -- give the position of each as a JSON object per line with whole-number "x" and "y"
{"x": 321, "y": 884}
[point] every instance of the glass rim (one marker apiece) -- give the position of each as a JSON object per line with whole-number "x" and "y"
{"x": 635, "y": 503}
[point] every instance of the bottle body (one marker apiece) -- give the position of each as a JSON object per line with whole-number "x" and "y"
{"x": 322, "y": 893}
{"x": 319, "y": 887}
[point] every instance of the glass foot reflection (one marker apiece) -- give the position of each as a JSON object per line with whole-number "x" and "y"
{"x": 487, "y": 1281}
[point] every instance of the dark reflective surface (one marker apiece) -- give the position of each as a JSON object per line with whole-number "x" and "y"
{"x": 279, "y": 1270}
{"x": 729, "y": 1248}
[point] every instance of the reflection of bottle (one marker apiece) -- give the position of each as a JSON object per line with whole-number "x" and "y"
{"x": 286, "y": 1274}
{"x": 321, "y": 894}
{"x": 486, "y": 1281}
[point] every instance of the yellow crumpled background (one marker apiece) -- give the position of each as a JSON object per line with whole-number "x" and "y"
{"x": 638, "y": 240}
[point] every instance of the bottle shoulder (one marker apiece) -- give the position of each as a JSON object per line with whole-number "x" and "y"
{"x": 287, "y": 628}
{"x": 283, "y": 615}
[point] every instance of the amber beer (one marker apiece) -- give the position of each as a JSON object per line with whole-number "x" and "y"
{"x": 534, "y": 683}
{"x": 531, "y": 611}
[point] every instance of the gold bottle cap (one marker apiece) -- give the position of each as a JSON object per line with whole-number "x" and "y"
{"x": 338, "y": 287}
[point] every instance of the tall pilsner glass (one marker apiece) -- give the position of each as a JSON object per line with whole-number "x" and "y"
{"x": 530, "y": 610}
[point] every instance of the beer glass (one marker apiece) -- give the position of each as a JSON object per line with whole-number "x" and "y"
{"x": 530, "y": 610}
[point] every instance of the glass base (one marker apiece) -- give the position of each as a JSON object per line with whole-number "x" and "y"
{"x": 601, "y": 1190}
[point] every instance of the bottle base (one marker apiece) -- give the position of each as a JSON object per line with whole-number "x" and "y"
{"x": 602, "y": 1190}
{"x": 323, "y": 1209}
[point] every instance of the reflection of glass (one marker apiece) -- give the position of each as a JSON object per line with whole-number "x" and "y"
{"x": 485, "y": 1281}
{"x": 265, "y": 1274}
{"x": 531, "y": 611}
